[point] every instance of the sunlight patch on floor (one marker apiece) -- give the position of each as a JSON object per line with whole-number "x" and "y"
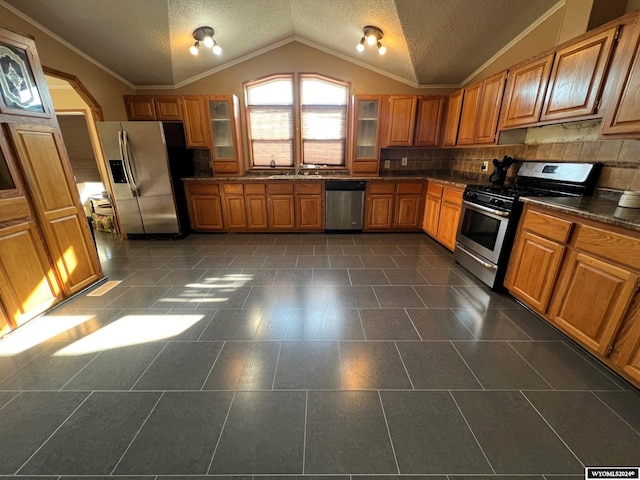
{"x": 102, "y": 289}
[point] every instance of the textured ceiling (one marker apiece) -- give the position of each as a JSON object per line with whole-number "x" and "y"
{"x": 429, "y": 42}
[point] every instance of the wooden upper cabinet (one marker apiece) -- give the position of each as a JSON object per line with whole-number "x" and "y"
{"x": 429, "y": 124}
{"x": 222, "y": 113}
{"x": 525, "y": 91}
{"x": 468, "y": 114}
{"x": 452, "y": 118}
{"x": 367, "y": 128}
{"x": 140, "y": 107}
{"x": 196, "y": 127}
{"x": 623, "y": 116}
{"x": 577, "y": 77}
{"x": 168, "y": 107}
{"x": 489, "y": 109}
{"x": 401, "y": 120}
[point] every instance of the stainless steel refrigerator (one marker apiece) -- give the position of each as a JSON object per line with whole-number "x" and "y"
{"x": 145, "y": 173}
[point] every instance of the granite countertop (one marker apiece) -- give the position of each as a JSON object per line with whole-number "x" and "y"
{"x": 594, "y": 208}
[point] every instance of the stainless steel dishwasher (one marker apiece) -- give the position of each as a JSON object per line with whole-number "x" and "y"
{"x": 345, "y": 205}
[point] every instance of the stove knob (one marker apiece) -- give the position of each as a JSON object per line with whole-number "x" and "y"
{"x": 471, "y": 195}
{"x": 499, "y": 202}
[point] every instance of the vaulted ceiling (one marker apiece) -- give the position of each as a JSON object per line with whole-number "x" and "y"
{"x": 429, "y": 42}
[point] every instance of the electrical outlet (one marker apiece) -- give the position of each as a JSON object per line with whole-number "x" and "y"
{"x": 485, "y": 166}
{"x": 404, "y": 161}
{"x": 387, "y": 163}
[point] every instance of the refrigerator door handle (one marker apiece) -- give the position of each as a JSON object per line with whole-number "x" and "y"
{"x": 124, "y": 160}
{"x": 128, "y": 162}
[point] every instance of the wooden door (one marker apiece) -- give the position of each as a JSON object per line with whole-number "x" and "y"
{"x": 533, "y": 269}
{"x": 468, "y": 114}
{"x": 623, "y": 116}
{"x": 140, "y": 107}
{"x": 401, "y": 120}
{"x": 431, "y": 215}
{"x": 256, "y": 211}
{"x": 448, "y": 224}
{"x": 489, "y": 109}
{"x": 525, "y": 91}
{"x": 577, "y": 77}
{"x": 379, "y": 212}
{"x": 281, "y": 211}
{"x": 309, "y": 212}
{"x": 591, "y": 300}
{"x": 452, "y": 118}
{"x": 41, "y": 153}
{"x": 429, "y": 124}
{"x": 206, "y": 212}
{"x": 407, "y": 212}
{"x": 168, "y": 107}
{"x": 196, "y": 127}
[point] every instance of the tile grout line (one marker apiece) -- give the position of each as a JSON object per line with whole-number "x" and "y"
{"x": 616, "y": 413}
{"x": 304, "y": 442}
{"x": 224, "y": 424}
{"x": 588, "y": 361}
{"x": 213, "y": 365}
{"x": 413, "y": 324}
{"x": 404, "y": 365}
{"x": 532, "y": 367}
{"x": 393, "y": 449}
{"x": 81, "y": 370}
{"x": 251, "y": 290}
{"x": 472, "y": 432}
{"x": 53, "y": 433}
{"x": 137, "y": 433}
{"x": 375, "y": 295}
{"x": 419, "y": 297}
{"x": 207, "y": 326}
{"x": 275, "y": 370}
{"x": 149, "y": 366}
{"x": 362, "y": 324}
{"x": 338, "y": 342}
{"x": 465, "y": 362}
{"x": 12, "y": 399}
{"x": 474, "y": 339}
{"x": 552, "y": 429}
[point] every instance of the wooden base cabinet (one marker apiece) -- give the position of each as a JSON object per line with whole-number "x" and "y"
{"x": 393, "y": 206}
{"x": 205, "y": 206}
{"x": 309, "y": 199}
{"x": 442, "y": 213}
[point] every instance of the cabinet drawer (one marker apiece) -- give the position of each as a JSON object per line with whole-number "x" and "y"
{"x": 204, "y": 189}
{"x": 452, "y": 196}
{"x": 280, "y": 188}
{"x": 382, "y": 187}
{"x": 309, "y": 188}
{"x": 612, "y": 246}
{"x": 549, "y": 227}
{"x": 410, "y": 188}
{"x": 254, "y": 188}
{"x": 232, "y": 188}
{"x": 434, "y": 189}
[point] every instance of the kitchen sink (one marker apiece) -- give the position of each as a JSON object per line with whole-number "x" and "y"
{"x": 293, "y": 176}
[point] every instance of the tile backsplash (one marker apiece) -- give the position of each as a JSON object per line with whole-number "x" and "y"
{"x": 621, "y": 159}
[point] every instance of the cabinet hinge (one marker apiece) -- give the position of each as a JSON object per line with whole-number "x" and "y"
{"x": 609, "y": 350}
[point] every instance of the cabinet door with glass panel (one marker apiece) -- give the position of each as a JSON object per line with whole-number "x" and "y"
{"x": 366, "y": 134}
{"x": 226, "y": 148}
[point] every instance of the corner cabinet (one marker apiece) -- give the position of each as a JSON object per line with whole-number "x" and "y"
{"x": 393, "y": 206}
{"x": 367, "y": 129}
{"x": 429, "y": 123}
{"x": 468, "y": 114}
{"x": 205, "y": 206}
{"x": 226, "y": 144}
{"x": 452, "y": 118}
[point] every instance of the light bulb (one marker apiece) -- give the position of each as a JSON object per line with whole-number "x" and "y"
{"x": 193, "y": 49}
{"x": 381, "y": 49}
{"x": 371, "y": 39}
{"x": 360, "y": 46}
{"x": 208, "y": 42}
{"x": 216, "y": 49}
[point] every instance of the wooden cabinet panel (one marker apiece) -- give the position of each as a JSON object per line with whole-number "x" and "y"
{"x": 591, "y": 300}
{"x": 448, "y": 224}
{"x": 222, "y": 112}
{"x": 452, "y": 118}
{"x": 256, "y": 212}
{"x": 196, "y": 127}
{"x": 235, "y": 216}
{"x": 379, "y": 212}
{"x": 401, "y": 120}
{"x": 408, "y": 212}
{"x": 140, "y": 107}
{"x": 429, "y": 123}
{"x": 168, "y": 107}
{"x": 548, "y": 226}
{"x": 309, "y": 212}
{"x": 525, "y": 92}
{"x": 489, "y": 109}
{"x": 577, "y": 77}
{"x": 431, "y": 215}
{"x": 468, "y": 114}
{"x": 28, "y": 286}
{"x": 623, "y": 116}
{"x": 533, "y": 268}
{"x": 442, "y": 213}
{"x": 367, "y": 130}
{"x": 626, "y": 354}
{"x": 205, "y": 212}
{"x": 280, "y": 208}
{"x": 48, "y": 173}
{"x": 622, "y": 249}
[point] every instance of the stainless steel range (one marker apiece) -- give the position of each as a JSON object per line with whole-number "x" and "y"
{"x": 490, "y": 213}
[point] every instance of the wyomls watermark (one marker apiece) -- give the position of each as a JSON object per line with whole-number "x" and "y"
{"x": 596, "y": 473}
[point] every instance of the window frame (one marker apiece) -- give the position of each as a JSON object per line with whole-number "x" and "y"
{"x": 297, "y": 147}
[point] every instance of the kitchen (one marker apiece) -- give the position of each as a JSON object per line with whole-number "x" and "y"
{"x": 454, "y": 168}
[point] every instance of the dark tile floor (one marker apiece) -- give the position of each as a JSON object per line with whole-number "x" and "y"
{"x": 337, "y": 355}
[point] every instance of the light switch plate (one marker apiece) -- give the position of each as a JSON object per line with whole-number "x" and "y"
{"x": 387, "y": 163}
{"x": 404, "y": 161}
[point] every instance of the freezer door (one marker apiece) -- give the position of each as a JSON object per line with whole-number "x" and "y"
{"x": 146, "y": 155}
{"x": 126, "y": 202}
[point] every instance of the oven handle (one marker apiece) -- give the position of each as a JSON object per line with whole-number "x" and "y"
{"x": 498, "y": 213}
{"x": 488, "y": 265}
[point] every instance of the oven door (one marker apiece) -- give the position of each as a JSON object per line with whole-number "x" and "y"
{"x": 482, "y": 230}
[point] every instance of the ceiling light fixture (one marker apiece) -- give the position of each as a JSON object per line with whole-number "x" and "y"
{"x": 372, "y": 36}
{"x": 204, "y": 35}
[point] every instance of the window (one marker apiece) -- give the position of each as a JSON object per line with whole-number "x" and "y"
{"x": 275, "y": 107}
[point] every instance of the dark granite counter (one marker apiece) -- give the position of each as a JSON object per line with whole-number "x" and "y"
{"x": 593, "y": 208}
